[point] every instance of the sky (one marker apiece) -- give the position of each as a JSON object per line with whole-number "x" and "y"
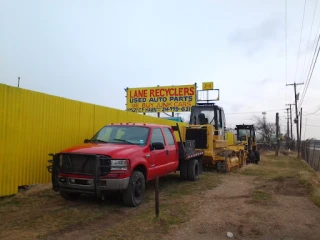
{"x": 92, "y": 50}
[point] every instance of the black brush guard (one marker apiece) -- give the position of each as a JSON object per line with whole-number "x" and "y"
{"x": 99, "y": 170}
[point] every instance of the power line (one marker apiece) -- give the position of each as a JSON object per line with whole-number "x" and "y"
{"x": 310, "y": 74}
{"x": 314, "y": 44}
{"x": 312, "y": 113}
{"x": 311, "y": 125}
{"x": 286, "y": 45}
{"x": 304, "y": 10}
{"x": 256, "y": 112}
{"x": 314, "y": 13}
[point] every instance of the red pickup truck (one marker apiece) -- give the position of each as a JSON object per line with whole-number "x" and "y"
{"x": 123, "y": 158}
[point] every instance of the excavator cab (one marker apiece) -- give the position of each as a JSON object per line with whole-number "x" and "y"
{"x": 247, "y": 135}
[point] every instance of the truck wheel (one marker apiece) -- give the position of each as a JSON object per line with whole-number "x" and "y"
{"x": 193, "y": 170}
{"x": 70, "y": 196}
{"x": 134, "y": 193}
{"x": 184, "y": 170}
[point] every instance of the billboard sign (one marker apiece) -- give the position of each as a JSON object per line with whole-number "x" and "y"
{"x": 161, "y": 99}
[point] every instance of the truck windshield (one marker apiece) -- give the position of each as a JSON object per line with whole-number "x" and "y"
{"x": 122, "y": 135}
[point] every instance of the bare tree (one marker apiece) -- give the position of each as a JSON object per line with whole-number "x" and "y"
{"x": 266, "y": 129}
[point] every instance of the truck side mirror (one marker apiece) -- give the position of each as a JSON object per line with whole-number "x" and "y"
{"x": 86, "y": 141}
{"x": 157, "y": 146}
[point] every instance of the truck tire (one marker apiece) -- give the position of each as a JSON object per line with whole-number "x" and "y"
{"x": 134, "y": 193}
{"x": 70, "y": 196}
{"x": 183, "y": 170}
{"x": 193, "y": 170}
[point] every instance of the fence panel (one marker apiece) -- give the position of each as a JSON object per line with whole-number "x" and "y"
{"x": 310, "y": 152}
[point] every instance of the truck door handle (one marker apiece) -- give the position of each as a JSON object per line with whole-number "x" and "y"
{"x": 167, "y": 152}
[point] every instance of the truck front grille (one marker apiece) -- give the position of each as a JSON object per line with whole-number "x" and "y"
{"x": 84, "y": 164}
{"x": 199, "y": 135}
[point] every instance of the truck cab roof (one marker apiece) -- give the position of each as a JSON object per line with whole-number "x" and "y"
{"x": 148, "y": 125}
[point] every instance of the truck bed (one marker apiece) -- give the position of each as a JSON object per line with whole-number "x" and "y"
{"x": 187, "y": 150}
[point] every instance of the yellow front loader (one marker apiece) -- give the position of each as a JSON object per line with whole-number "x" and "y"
{"x": 207, "y": 127}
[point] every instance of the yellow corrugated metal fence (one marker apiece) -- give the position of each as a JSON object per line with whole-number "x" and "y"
{"x": 34, "y": 124}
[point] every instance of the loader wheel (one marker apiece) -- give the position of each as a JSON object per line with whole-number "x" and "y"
{"x": 134, "y": 193}
{"x": 252, "y": 157}
{"x": 193, "y": 170}
{"x": 70, "y": 196}
{"x": 184, "y": 170}
{"x": 257, "y": 156}
{"x": 222, "y": 166}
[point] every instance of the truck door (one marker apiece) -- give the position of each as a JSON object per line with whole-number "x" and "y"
{"x": 159, "y": 157}
{"x": 171, "y": 150}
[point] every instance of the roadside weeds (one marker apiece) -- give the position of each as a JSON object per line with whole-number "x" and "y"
{"x": 289, "y": 170}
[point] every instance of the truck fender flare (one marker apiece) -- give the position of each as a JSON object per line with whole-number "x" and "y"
{"x": 141, "y": 163}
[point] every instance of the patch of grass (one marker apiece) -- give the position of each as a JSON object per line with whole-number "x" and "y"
{"x": 281, "y": 178}
{"x": 173, "y": 186}
{"x": 176, "y": 201}
{"x": 316, "y": 196}
{"x": 45, "y": 210}
{"x": 260, "y": 195}
{"x": 150, "y": 226}
{"x": 281, "y": 168}
{"x": 12, "y": 201}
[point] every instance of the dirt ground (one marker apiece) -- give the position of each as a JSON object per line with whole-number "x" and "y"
{"x": 230, "y": 208}
{"x": 275, "y": 200}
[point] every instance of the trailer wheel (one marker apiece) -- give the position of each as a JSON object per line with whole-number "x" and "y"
{"x": 193, "y": 170}
{"x": 183, "y": 170}
{"x": 134, "y": 193}
{"x": 70, "y": 196}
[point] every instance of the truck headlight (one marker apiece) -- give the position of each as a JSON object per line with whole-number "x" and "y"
{"x": 119, "y": 165}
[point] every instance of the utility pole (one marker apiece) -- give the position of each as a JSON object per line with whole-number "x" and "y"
{"x": 264, "y": 125}
{"x": 300, "y": 132}
{"x": 290, "y": 120}
{"x": 296, "y": 97}
{"x": 305, "y": 129}
{"x": 300, "y": 124}
{"x": 277, "y": 134}
{"x": 287, "y": 138}
{"x": 287, "y": 123}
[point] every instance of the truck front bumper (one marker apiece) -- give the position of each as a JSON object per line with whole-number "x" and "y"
{"x": 84, "y": 185}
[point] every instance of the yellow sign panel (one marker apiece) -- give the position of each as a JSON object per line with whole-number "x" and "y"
{"x": 161, "y": 99}
{"x": 207, "y": 85}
